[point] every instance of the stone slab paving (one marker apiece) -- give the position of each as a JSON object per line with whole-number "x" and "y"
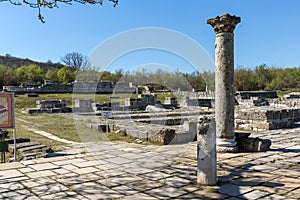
{"x": 128, "y": 171}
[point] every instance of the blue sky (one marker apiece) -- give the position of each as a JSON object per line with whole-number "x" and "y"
{"x": 268, "y": 32}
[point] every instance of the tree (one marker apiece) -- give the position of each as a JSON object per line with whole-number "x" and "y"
{"x": 31, "y": 73}
{"x": 65, "y": 75}
{"x": 39, "y": 4}
{"x": 245, "y": 80}
{"x": 263, "y": 76}
{"x": 9, "y": 77}
{"x": 73, "y": 60}
{"x": 2, "y": 75}
{"x": 51, "y": 75}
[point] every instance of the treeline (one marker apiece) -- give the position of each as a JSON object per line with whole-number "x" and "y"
{"x": 34, "y": 73}
{"x": 260, "y": 78}
{"x": 159, "y": 79}
{"x": 267, "y": 78}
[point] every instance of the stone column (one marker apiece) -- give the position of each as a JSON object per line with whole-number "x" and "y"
{"x": 224, "y": 94}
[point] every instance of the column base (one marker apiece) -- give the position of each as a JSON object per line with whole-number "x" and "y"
{"x": 227, "y": 146}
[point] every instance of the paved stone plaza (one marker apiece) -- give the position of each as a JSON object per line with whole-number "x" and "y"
{"x": 133, "y": 171}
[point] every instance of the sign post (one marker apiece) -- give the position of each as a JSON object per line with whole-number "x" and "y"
{"x": 7, "y": 117}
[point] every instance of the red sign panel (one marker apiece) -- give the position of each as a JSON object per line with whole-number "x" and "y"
{"x": 6, "y": 110}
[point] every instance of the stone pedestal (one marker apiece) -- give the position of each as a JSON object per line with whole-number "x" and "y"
{"x": 226, "y": 146}
{"x": 206, "y": 152}
{"x": 224, "y": 94}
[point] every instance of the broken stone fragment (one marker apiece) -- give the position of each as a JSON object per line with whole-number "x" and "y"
{"x": 121, "y": 132}
{"x": 254, "y": 144}
{"x": 163, "y": 136}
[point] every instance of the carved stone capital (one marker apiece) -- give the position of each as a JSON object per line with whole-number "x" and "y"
{"x": 224, "y": 23}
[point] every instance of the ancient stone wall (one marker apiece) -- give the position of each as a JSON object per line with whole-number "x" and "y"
{"x": 249, "y": 94}
{"x": 104, "y": 87}
{"x": 266, "y": 118}
{"x": 202, "y": 102}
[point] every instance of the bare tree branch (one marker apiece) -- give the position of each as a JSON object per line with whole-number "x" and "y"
{"x": 73, "y": 60}
{"x": 39, "y": 4}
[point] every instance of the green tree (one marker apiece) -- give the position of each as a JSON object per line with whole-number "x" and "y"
{"x": 196, "y": 80}
{"x": 245, "y": 80}
{"x": 65, "y": 75}
{"x": 263, "y": 76}
{"x": 209, "y": 78}
{"x": 117, "y": 75}
{"x": 10, "y": 77}
{"x": 2, "y": 75}
{"x": 284, "y": 79}
{"x": 31, "y": 73}
{"x": 51, "y": 75}
{"x": 106, "y": 76}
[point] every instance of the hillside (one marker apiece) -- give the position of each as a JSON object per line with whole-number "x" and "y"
{"x": 15, "y": 62}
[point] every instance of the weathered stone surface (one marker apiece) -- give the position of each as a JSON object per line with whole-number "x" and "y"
{"x": 254, "y": 144}
{"x": 206, "y": 152}
{"x": 241, "y": 135}
{"x": 154, "y": 108}
{"x": 99, "y": 127}
{"x": 158, "y": 171}
{"x": 261, "y": 101}
{"x": 249, "y": 94}
{"x": 121, "y": 132}
{"x": 223, "y": 149}
{"x": 224, "y": 23}
{"x": 163, "y": 136}
{"x": 266, "y": 118}
{"x": 82, "y": 105}
{"x": 49, "y": 106}
{"x": 224, "y": 60}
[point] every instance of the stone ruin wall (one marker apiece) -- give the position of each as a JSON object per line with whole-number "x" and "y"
{"x": 105, "y": 87}
{"x": 267, "y": 118}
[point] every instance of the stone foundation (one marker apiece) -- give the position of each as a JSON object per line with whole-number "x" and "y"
{"x": 267, "y": 118}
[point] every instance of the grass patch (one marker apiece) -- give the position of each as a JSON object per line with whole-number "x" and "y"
{"x": 281, "y": 93}
{"x": 56, "y": 124}
{"x": 113, "y": 136}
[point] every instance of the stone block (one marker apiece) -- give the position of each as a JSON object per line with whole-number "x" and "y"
{"x": 31, "y": 94}
{"x": 254, "y": 144}
{"x": 33, "y": 111}
{"x": 99, "y": 127}
{"x": 241, "y": 135}
{"x": 269, "y": 115}
{"x": 276, "y": 114}
{"x": 102, "y": 128}
{"x": 163, "y": 136}
{"x": 264, "y": 125}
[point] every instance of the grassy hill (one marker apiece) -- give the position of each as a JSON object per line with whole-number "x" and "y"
{"x": 15, "y": 62}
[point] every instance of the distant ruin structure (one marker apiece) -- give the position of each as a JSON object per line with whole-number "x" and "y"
{"x": 49, "y": 106}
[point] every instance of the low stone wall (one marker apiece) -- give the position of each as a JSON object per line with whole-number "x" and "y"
{"x": 164, "y": 127}
{"x": 105, "y": 87}
{"x": 249, "y": 94}
{"x": 266, "y": 118}
{"x": 186, "y": 102}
